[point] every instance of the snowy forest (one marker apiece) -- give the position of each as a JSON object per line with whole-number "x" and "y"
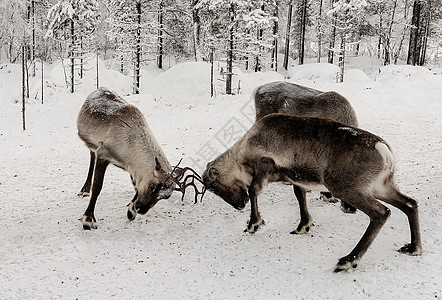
{"x": 255, "y": 35}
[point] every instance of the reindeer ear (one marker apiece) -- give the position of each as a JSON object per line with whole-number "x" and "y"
{"x": 213, "y": 174}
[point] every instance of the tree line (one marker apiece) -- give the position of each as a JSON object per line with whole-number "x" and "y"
{"x": 258, "y": 35}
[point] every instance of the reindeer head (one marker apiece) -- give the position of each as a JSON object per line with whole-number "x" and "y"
{"x": 228, "y": 179}
{"x": 156, "y": 187}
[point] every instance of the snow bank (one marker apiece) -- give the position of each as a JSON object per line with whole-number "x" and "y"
{"x": 314, "y": 71}
{"x": 394, "y": 73}
{"x": 190, "y": 78}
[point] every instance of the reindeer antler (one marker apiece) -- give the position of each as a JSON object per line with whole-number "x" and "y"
{"x": 183, "y": 181}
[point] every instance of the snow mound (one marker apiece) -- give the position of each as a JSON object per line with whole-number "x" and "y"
{"x": 393, "y": 73}
{"x": 111, "y": 79}
{"x": 355, "y": 76}
{"x": 190, "y": 78}
{"x": 250, "y": 81}
{"x": 115, "y": 81}
{"x": 323, "y": 71}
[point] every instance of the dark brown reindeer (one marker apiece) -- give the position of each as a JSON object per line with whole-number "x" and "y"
{"x": 117, "y": 133}
{"x": 313, "y": 153}
{"x": 297, "y": 100}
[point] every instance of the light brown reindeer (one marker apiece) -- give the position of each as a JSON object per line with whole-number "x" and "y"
{"x": 297, "y": 100}
{"x": 318, "y": 154}
{"x": 116, "y": 132}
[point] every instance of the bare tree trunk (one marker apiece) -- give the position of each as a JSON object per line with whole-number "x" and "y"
{"x": 211, "y": 73}
{"x": 332, "y": 37}
{"x": 160, "y": 36}
{"x": 404, "y": 32}
{"x": 319, "y": 33}
{"x": 287, "y": 35}
{"x": 413, "y": 55}
{"x": 230, "y": 53}
{"x": 259, "y": 36}
{"x": 136, "y": 88}
{"x": 274, "y": 64}
{"x": 23, "y": 65}
{"x": 33, "y": 36}
{"x": 379, "y": 53}
{"x": 302, "y": 33}
{"x": 72, "y": 56}
{"x": 196, "y": 30}
{"x": 98, "y": 85}
{"x": 388, "y": 50}
{"x": 81, "y": 57}
{"x": 42, "y": 81}
{"x": 342, "y": 59}
{"x": 423, "y": 50}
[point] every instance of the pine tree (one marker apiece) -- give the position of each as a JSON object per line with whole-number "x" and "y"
{"x": 348, "y": 15}
{"x": 238, "y": 27}
{"x": 66, "y": 19}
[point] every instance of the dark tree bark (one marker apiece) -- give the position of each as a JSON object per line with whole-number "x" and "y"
{"x": 230, "y": 52}
{"x": 160, "y": 36}
{"x": 33, "y": 37}
{"x": 259, "y": 36}
{"x": 196, "y": 30}
{"x": 302, "y": 32}
{"x": 23, "y": 58}
{"x": 81, "y": 57}
{"x": 72, "y": 51}
{"x": 42, "y": 81}
{"x": 319, "y": 33}
{"x": 287, "y": 35}
{"x": 332, "y": 37}
{"x": 274, "y": 64}
{"x": 97, "y": 74}
{"x": 413, "y": 53}
{"x": 136, "y": 89}
{"x": 423, "y": 52}
{"x": 212, "y": 85}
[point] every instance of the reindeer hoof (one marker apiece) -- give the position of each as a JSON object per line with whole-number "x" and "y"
{"x": 131, "y": 213}
{"x": 411, "y": 249}
{"x": 347, "y": 208}
{"x": 303, "y": 229}
{"x": 88, "y": 222}
{"x": 252, "y": 227}
{"x": 83, "y": 194}
{"x": 327, "y": 197}
{"x": 346, "y": 263}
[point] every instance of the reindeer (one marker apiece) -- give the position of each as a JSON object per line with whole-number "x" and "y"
{"x": 117, "y": 133}
{"x": 292, "y": 99}
{"x": 319, "y": 154}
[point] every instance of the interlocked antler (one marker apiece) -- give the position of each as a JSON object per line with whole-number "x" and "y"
{"x": 183, "y": 181}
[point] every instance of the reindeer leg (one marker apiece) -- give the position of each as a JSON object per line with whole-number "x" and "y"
{"x": 378, "y": 214}
{"x": 86, "y": 189}
{"x": 255, "y": 218}
{"x": 410, "y": 208}
{"x": 88, "y": 218}
{"x": 306, "y": 220}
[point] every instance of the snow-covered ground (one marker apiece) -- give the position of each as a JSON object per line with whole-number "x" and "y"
{"x": 182, "y": 250}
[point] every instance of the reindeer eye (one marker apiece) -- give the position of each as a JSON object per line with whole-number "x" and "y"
{"x": 217, "y": 191}
{"x": 152, "y": 187}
